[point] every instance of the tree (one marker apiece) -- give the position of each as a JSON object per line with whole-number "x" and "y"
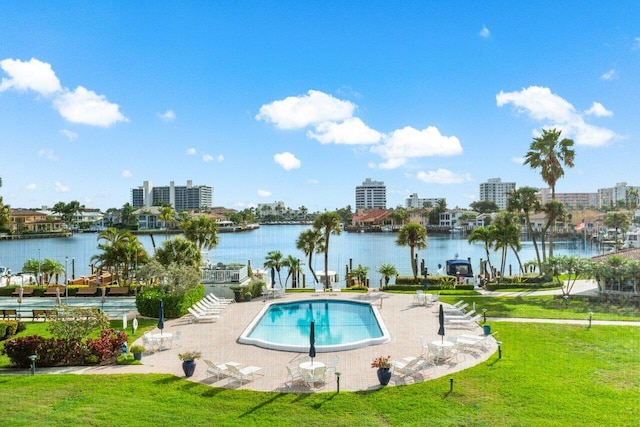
{"x": 202, "y": 230}
{"x": 548, "y": 154}
{"x": 619, "y": 221}
{"x": 127, "y": 218}
{"x": 571, "y": 266}
{"x": 525, "y": 201}
{"x": 413, "y": 235}
{"x": 387, "y": 270}
{"x": 554, "y": 211}
{"x": 434, "y": 214}
{"x": 483, "y": 235}
{"x": 310, "y": 241}
{"x": 5, "y": 214}
{"x": 506, "y": 235}
{"x": 120, "y": 250}
{"x": 273, "y": 260}
{"x": 358, "y": 276}
{"x": 328, "y": 223}
{"x": 168, "y": 215}
{"x": 484, "y": 206}
{"x": 179, "y": 251}
{"x": 51, "y": 268}
{"x": 295, "y": 267}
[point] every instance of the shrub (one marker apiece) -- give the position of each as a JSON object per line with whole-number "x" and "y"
{"x": 3, "y": 331}
{"x": 50, "y": 351}
{"x": 175, "y": 305}
{"x": 108, "y": 346}
{"x": 76, "y": 322}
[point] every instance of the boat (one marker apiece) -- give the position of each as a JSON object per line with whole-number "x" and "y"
{"x": 460, "y": 268}
{"x": 632, "y": 239}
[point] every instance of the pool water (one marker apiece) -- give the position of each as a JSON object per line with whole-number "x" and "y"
{"x": 339, "y": 325}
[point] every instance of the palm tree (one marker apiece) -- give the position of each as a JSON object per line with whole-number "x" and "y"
{"x": 387, "y": 270}
{"x": 483, "y": 235}
{"x": 413, "y": 235}
{"x": 202, "y": 230}
{"x": 5, "y": 213}
{"x": 525, "y": 200}
{"x": 178, "y": 251}
{"x": 618, "y": 221}
{"x": 506, "y": 234}
{"x": 273, "y": 260}
{"x": 311, "y": 241}
{"x": 328, "y": 223}
{"x": 51, "y": 268}
{"x": 554, "y": 211}
{"x": 120, "y": 249}
{"x": 295, "y": 267}
{"x": 549, "y": 154}
{"x": 168, "y": 215}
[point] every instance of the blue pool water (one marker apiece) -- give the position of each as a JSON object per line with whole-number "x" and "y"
{"x": 339, "y": 325}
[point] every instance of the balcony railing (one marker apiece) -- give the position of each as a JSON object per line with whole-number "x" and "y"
{"x": 223, "y": 274}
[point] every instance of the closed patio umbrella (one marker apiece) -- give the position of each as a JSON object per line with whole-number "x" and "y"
{"x": 161, "y": 316}
{"x": 441, "y": 322}
{"x": 312, "y": 341}
{"x": 58, "y": 300}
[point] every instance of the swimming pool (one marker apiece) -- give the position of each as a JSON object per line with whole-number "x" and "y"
{"x": 339, "y": 325}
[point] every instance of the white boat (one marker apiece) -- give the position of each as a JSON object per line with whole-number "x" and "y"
{"x": 632, "y": 240}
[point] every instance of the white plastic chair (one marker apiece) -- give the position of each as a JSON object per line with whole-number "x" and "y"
{"x": 294, "y": 375}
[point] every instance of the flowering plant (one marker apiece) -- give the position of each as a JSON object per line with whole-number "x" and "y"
{"x": 381, "y": 362}
{"x": 189, "y": 355}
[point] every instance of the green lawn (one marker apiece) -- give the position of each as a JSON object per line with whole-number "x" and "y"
{"x": 549, "y": 375}
{"x": 547, "y": 307}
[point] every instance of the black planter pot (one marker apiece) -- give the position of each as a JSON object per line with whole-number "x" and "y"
{"x": 384, "y": 375}
{"x": 137, "y": 356}
{"x": 189, "y": 367}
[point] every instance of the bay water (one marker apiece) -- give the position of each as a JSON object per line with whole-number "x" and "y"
{"x": 367, "y": 249}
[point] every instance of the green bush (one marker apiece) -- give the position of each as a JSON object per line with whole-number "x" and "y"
{"x": 175, "y": 305}
{"x": 3, "y": 331}
{"x": 431, "y": 287}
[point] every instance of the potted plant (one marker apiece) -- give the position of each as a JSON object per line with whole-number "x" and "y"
{"x": 247, "y": 295}
{"x": 384, "y": 368}
{"x": 137, "y": 351}
{"x": 189, "y": 361}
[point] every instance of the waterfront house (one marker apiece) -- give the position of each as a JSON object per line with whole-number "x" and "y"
{"x": 27, "y": 220}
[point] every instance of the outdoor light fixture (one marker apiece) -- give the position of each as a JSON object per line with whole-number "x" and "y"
{"x": 566, "y": 300}
{"x": 338, "y": 380}
{"x": 450, "y": 384}
{"x": 33, "y": 358}
{"x": 590, "y": 318}
{"x": 499, "y": 349}
{"x": 484, "y": 314}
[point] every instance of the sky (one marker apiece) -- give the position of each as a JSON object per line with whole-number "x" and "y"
{"x": 301, "y": 101}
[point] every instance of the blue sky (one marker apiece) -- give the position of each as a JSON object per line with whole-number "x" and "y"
{"x": 302, "y": 101}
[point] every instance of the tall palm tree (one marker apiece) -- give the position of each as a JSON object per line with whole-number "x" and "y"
{"x": 311, "y": 241}
{"x": 618, "y": 221}
{"x": 295, "y": 267}
{"x": 554, "y": 211}
{"x": 413, "y": 235}
{"x": 273, "y": 260}
{"x": 548, "y": 153}
{"x": 51, "y": 268}
{"x": 483, "y": 235}
{"x": 168, "y": 215}
{"x": 328, "y": 223}
{"x": 5, "y": 213}
{"x": 506, "y": 235}
{"x": 525, "y": 201}
{"x": 202, "y": 230}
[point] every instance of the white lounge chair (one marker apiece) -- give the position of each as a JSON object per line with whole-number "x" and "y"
{"x": 466, "y": 322}
{"x": 467, "y": 315}
{"x": 237, "y": 374}
{"x": 219, "y": 300}
{"x": 279, "y": 292}
{"x": 216, "y": 369}
{"x": 453, "y": 310}
{"x": 410, "y": 365}
{"x": 204, "y": 309}
{"x": 203, "y": 317}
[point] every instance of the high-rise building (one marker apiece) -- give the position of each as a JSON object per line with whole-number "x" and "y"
{"x": 415, "y": 202}
{"x": 494, "y": 190}
{"x": 181, "y": 198}
{"x": 371, "y": 195}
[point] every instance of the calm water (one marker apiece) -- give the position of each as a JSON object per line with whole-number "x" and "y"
{"x": 336, "y": 322}
{"x": 366, "y": 249}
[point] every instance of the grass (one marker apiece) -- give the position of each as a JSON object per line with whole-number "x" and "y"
{"x": 548, "y": 307}
{"x": 549, "y": 375}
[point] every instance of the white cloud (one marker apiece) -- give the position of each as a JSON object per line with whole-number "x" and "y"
{"x": 598, "y": 110}
{"x": 484, "y": 32}
{"x": 70, "y": 135}
{"x": 220, "y": 158}
{"x": 86, "y": 107}
{"x": 207, "y": 158}
{"x": 30, "y": 187}
{"x": 191, "y": 151}
{"x": 126, "y": 173}
{"x": 409, "y": 142}
{"x": 47, "y": 154}
{"x": 30, "y": 75}
{"x": 296, "y": 112}
{"x": 609, "y": 75}
{"x": 313, "y": 181}
{"x": 442, "y": 176}
{"x": 167, "y": 116}
{"x": 287, "y": 160}
{"x": 518, "y": 160}
{"x": 351, "y": 131}
{"x": 264, "y": 193}
{"x": 542, "y": 105}
{"x": 636, "y": 43}
{"x": 61, "y": 188}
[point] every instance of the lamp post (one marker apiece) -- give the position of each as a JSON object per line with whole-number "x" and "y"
{"x": 338, "y": 380}
{"x": 499, "y": 349}
{"x": 484, "y": 315}
{"x": 66, "y": 281}
{"x": 590, "y": 318}
{"x": 38, "y": 276}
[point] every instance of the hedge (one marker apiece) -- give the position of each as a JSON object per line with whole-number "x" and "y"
{"x": 175, "y": 305}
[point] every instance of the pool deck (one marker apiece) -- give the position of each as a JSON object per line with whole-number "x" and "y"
{"x": 217, "y": 341}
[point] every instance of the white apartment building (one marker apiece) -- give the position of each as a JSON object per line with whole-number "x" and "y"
{"x": 415, "y": 202}
{"x": 371, "y": 195}
{"x": 181, "y": 198}
{"x": 494, "y": 190}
